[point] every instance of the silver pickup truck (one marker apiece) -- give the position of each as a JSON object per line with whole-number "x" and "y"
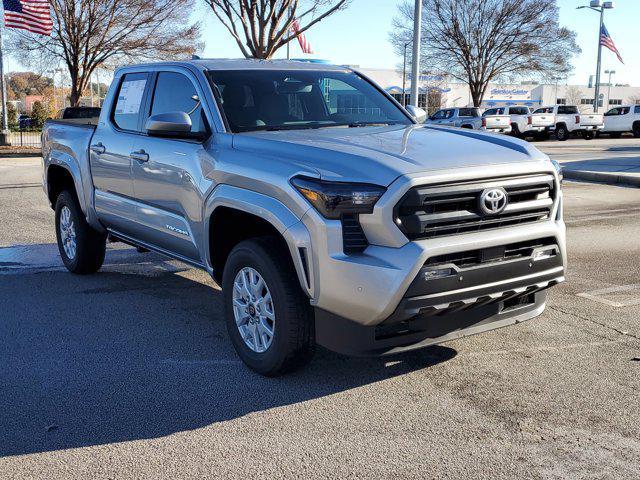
{"x": 325, "y": 211}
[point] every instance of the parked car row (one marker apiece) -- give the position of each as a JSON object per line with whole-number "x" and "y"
{"x": 563, "y": 121}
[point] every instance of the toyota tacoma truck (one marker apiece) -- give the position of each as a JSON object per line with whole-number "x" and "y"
{"x": 524, "y": 123}
{"x": 569, "y": 121}
{"x": 622, "y": 119}
{"x": 327, "y": 213}
{"x": 470, "y": 118}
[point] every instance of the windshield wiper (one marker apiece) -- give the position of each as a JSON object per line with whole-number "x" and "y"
{"x": 370, "y": 124}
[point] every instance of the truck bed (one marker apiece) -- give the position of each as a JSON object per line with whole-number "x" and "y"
{"x": 67, "y": 144}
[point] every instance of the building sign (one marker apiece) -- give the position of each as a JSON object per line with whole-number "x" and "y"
{"x": 510, "y": 93}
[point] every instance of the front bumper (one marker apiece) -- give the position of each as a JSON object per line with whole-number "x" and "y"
{"x": 468, "y": 300}
{"x": 350, "y": 338}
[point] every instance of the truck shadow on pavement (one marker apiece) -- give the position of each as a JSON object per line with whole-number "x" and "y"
{"x": 123, "y": 355}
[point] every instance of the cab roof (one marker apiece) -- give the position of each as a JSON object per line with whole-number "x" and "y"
{"x": 248, "y": 64}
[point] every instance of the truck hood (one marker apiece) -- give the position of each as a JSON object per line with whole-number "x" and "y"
{"x": 381, "y": 154}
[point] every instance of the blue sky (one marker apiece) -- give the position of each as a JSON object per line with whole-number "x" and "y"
{"x": 359, "y": 36}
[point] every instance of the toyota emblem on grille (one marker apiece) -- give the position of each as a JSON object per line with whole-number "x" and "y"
{"x": 493, "y": 201}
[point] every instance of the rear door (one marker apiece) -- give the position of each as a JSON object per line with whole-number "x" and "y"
{"x": 166, "y": 171}
{"x": 109, "y": 153}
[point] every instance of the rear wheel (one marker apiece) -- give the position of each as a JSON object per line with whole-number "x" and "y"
{"x": 268, "y": 317}
{"x": 588, "y": 135}
{"x": 515, "y": 131}
{"x": 562, "y": 133}
{"x": 82, "y": 248}
{"x": 636, "y": 129}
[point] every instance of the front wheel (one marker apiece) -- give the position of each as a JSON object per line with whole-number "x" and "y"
{"x": 82, "y": 248}
{"x": 636, "y": 129}
{"x": 268, "y": 317}
{"x": 562, "y": 133}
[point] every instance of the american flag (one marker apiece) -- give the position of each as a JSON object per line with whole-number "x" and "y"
{"x": 607, "y": 41}
{"x": 302, "y": 40}
{"x": 31, "y": 15}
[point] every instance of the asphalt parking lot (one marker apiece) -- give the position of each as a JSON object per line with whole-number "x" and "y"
{"x": 128, "y": 373}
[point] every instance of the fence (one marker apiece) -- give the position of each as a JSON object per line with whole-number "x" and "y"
{"x": 25, "y": 138}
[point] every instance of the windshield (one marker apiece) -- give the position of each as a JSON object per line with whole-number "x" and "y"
{"x": 296, "y": 99}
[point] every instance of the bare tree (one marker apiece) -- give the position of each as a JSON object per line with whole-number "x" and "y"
{"x": 480, "y": 41}
{"x": 573, "y": 96}
{"x": 261, "y": 27}
{"x": 88, "y": 34}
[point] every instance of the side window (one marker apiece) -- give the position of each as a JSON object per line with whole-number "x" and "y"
{"x": 636, "y": 109}
{"x": 611, "y": 113}
{"x": 439, "y": 115}
{"x": 491, "y": 111}
{"x": 126, "y": 113}
{"x": 449, "y": 113}
{"x": 174, "y": 92}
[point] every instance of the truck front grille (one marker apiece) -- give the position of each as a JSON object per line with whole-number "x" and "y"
{"x": 441, "y": 210}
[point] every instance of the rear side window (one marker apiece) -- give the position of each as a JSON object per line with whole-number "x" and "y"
{"x": 126, "y": 114}
{"x": 467, "y": 112}
{"x": 491, "y": 111}
{"x": 636, "y": 109}
{"x": 519, "y": 111}
{"x": 567, "y": 110}
{"x": 174, "y": 92}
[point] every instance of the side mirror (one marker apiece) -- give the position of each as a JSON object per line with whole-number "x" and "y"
{"x": 170, "y": 124}
{"x": 419, "y": 114}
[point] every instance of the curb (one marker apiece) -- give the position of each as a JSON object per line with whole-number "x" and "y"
{"x": 19, "y": 154}
{"x": 602, "y": 177}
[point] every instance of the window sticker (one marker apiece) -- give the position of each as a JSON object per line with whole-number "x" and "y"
{"x": 130, "y": 97}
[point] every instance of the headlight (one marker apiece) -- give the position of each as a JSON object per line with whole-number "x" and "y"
{"x": 333, "y": 199}
{"x": 558, "y": 168}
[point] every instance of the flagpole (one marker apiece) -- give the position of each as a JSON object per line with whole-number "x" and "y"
{"x": 289, "y": 33}
{"x": 4, "y": 135}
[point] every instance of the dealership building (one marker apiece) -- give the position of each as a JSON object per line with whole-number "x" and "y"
{"x": 455, "y": 94}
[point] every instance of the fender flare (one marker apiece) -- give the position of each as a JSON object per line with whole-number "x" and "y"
{"x": 274, "y": 212}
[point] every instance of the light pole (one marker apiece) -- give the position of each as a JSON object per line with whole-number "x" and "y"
{"x": 415, "y": 58}
{"x": 610, "y": 72}
{"x": 598, "y": 6}
{"x": 404, "y": 76}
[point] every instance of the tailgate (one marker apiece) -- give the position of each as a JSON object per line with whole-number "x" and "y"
{"x": 543, "y": 119}
{"x": 498, "y": 121}
{"x": 591, "y": 119}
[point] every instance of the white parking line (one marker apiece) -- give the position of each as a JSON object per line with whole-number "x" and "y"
{"x": 600, "y": 295}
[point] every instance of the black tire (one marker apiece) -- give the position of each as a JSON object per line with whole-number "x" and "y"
{"x": 293, "y": 342}
{"x": 542, "y": 135}
{"x": 90, "y": 244}
{"x": 515, "y": 131}
{"x": 587, "y": 135}
{"x": 562, "y": 134}
{"x": 615, "y": 134}
{"x": 636, "y": 129}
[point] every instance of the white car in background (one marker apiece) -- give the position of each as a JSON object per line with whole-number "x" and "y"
{"x": 525, "y": 123}
{"x": 470, "y": 117}
{"x": 625, "y": 118}
{"x": 569, "y": 120}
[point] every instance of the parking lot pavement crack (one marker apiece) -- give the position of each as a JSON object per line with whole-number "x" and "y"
{"x": 604, "y": 325}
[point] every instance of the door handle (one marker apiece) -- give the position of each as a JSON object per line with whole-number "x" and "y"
{"x": 140, "y": 156}
{"x": 98, "y": 148}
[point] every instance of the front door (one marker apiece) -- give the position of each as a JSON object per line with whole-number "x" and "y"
{"x": 110, "y": 155}
{"x": 167, "y": 171}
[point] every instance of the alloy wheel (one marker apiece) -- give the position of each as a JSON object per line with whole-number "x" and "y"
{"x": 253, "y": 310}
{"x": 68, "y": 233}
